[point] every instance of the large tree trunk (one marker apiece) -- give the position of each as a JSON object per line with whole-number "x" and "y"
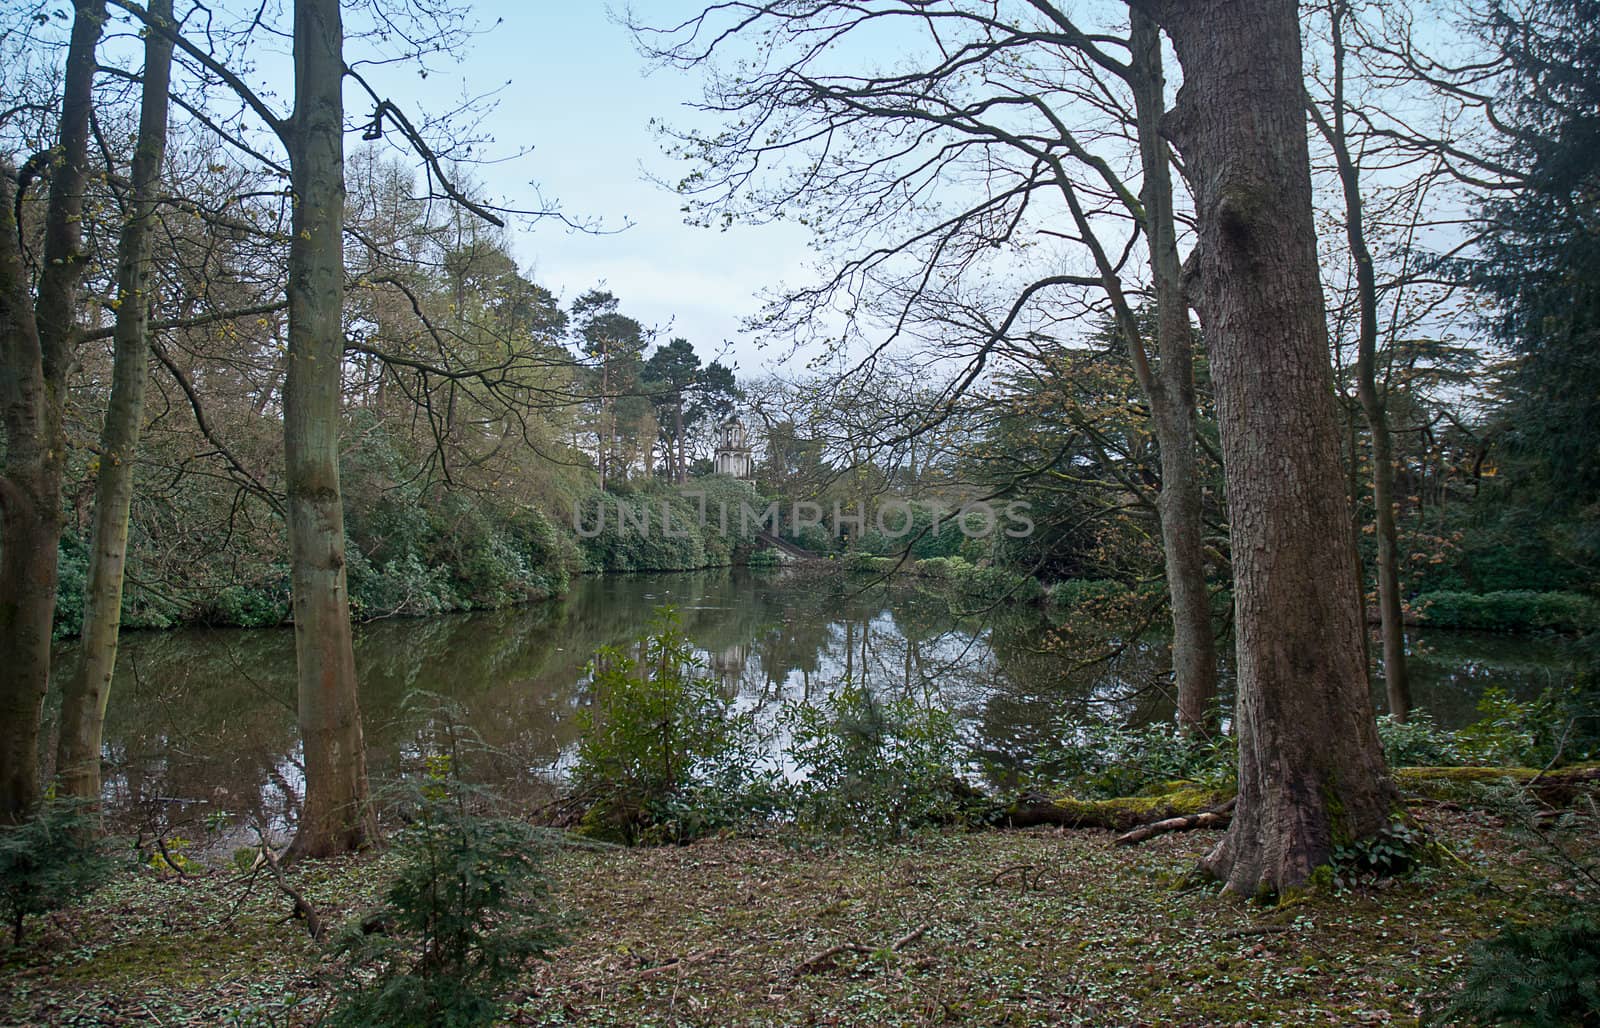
{"x": 1311, "y": 773}
{"x": 1396, "y": 677}
{"x": 83, "y": 707}
{"x": 36, "y": 340}
{"x": 336, "y": 816}
{"x": 1172, "y": 404}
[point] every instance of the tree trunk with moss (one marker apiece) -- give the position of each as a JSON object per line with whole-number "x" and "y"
{"x": 336, "y": 816}
{"x": 83, "y": 703}
{"x": 1311, "y": 773}
{"x": 37, "y": 335}
{"x": 1172, "y": 403}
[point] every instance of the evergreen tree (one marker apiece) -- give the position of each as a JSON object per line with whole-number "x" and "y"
{"x": 1543, "y": 250}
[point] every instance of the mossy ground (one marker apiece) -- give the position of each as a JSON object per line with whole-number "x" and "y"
{"x": 1018, "y": 928}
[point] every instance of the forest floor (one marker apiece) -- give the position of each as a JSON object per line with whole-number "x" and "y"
{"x": 991, "y": 928}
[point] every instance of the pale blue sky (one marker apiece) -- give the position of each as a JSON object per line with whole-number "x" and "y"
{"x": 579, "y": 95}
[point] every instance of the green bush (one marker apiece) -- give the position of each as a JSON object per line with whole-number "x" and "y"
{"x": 763, "y": 559}
{"x": 1542, "y": 975}
{"x": 258, "y": 606}
{"x": 51, "y": 861}
{"x": 1107, "y": 759}
{"x": 464, "y": 915}
{"x": 628, "y": 534}
{"x": 1512, "y": 611}
{"x": 874, "y": 768}
{"x": 1557, "y": 724}
{"x": 660, "y": 749}
{"x": 402, "y": 586}
{"x": 72, "y": 573}
{"x": 1417, "y": 741}
{"x": 925, "y": 543}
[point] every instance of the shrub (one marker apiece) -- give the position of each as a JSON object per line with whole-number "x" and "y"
{"x": 919, "y": 534}
{"x": 763, "y": 559}
{"x": 464, "y": 915}
{"x": 1077, "y": 592}
{"x": 1417, "y": 741}
{"x": 1544, "y": 975}
{"x": 660, "y": 742}
{"x": 1557, "y": 724}
{"x": 51, "y": 861}
{"x": 875, "y": 768}
{"x": 259, "y": 606}
{"x": 1545, "y": 972}
{"x": 1106, "y": 759}
{"x": 72, "y": 572}
{"x": 401, "y": 586}
{"x": 1511, "y": 611}
{"x": 622, "y": 541}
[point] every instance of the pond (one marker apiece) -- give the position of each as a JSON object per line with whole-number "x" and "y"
{"x": 202, "y": 721}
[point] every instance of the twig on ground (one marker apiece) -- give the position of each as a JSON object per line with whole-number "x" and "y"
{"x": 818, "y": 962}
{"x": 1217, "y": 817}
{"x": 679, "y": 963}
{"x": 302, "y": 906}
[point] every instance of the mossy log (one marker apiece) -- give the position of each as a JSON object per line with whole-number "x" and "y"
{"x": 1187, "y": 800}
{"x": 1116, "y": 815}
{"x": 1557, "y": 787}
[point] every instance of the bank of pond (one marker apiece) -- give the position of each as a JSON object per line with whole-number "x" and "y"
{"x": 202, "y": 719}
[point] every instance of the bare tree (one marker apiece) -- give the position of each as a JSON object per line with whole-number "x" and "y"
{"x": 959, "y": 170}
{"x": 83, "y": 708}
{"x": 1333, "y": 128}
{"x": 38, "y": 324}
{"x": 1311, "y": 772}
{"x": 336, "y": 815}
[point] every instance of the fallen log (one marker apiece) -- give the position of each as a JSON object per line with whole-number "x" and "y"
{"x": 1117, "y": 815}
{"x": 1219, "y": 816}
{"x": 1188, "y": 805}
{"x": 1555, "y": 786}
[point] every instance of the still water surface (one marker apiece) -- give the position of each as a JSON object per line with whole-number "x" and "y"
{"x": 203, "y": 720}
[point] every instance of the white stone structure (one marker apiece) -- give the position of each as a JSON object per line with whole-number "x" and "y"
{"x": 733, "y": 451}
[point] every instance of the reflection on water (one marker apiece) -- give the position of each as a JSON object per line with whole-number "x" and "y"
{"x": 203, "y": 720}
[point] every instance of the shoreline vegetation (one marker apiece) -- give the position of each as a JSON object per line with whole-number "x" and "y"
{"x": 682, "y": 878}
{"x": 537, "y": 559}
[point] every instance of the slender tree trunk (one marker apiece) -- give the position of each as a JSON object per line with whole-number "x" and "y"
{"x": 1172, "y": 404}
{"x": 603, "y": 432}
{"x": 682, "y": 471}
{"x": 336, "y": 816}
{"x": 1396, "y": 678}
{"x": 1311, "y": 773}
{"x": 83, "y": 707}
{"x": 36, "y": 340}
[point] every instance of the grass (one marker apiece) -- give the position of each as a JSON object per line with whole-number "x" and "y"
{"x": 994, "y": 928}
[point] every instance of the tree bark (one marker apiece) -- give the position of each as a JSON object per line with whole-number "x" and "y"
{"x": 1397, "y": 681}
{"x": 681, "y": 473}
{"x": 83, "y": 708}
{"x": 36, "y": 339}
{"x": 336, "y": 816}
{"x": 1311, "y": 773}
{"x": 1172, "y": 403}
